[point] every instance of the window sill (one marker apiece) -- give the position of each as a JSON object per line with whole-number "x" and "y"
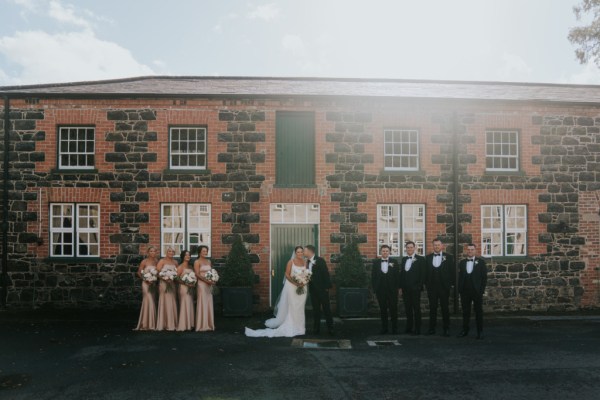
{"x": 504, "y": 173}
{"x": 509, "y": 259}
{"x": 73, "y": 171}
{"x": 186, "y": 171}
{"x": 73, "y": 260}
{"x": 282, "y": 186}
{"x": 401, "y": 172}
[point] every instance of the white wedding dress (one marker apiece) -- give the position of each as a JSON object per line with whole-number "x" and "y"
{"x": 289, "y": 312}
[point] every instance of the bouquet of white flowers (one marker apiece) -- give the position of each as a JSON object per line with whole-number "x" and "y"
{"x": 189, "y": 279}
{"x": 168, "y": 275}
{"x": 302, "y": 278}
{"x": 149, "y": 275}
{"x": 212, "y": 276}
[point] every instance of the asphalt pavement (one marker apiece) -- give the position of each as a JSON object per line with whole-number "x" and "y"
{"x": 97, "y": 355}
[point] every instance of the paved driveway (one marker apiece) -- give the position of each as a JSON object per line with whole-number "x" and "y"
{"x": 67, "y": 356}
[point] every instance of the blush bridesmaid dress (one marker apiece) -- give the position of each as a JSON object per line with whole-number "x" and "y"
{"x": 186, "y": 306}
{"x": 147, "y": 320}
{"x": 167, "y": 304}
{"x": 205, "y": 318}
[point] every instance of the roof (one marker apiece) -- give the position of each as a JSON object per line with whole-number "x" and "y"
{"x": 249, "y": 87}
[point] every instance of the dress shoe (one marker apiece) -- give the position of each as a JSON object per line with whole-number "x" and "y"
{"x": 408, "y": 331}
{"x": 479, "y": 335}
{"x": 446, "y": 333}
{"x": 383, "y": 331}
{"x": 417, "y": 332}
{"x": 331, "y": 331}
{"x": 463, "y": 333}
{"x": 394, "y": 331}
{"x": 431, "y": 332}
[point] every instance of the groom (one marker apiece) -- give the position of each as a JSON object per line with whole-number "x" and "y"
{"x": 319, "y": 286}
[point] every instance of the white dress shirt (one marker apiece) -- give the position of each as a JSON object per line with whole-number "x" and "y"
{"x": 408, "y": 264}
{"x": 384, "y": 265}
{"x": 311, "y": 262}
{"x": 470, "y": 263}
{"x": 437, "y": 260}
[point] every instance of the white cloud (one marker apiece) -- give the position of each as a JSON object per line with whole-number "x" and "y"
{"x": 27, "y": 4}
{"x": 67, "y": 14}
{"x": 265, "y": 12}
{"x": 43, "y": 57}
{"x": 514, "y": 68}
{"x": 588, "y": 74}
{"x": 294, "y": 45}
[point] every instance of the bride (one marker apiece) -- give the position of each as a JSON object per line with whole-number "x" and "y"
{"x": 289, "y": 311}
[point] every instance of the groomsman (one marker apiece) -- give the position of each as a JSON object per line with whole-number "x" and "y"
{"x": 319, "y": 286}
{"x": 384, "y": 278}
{"x": 412, "y": 277}
{"x": 472, "y": 279}
{"x": 440, "y": 279}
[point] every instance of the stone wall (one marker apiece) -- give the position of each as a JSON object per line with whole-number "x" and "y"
{"x": 559, "y": 182}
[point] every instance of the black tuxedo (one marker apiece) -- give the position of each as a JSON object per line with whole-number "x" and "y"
{"x": 439, "y": 281}
{"x": 385, "y": 286}
{"x": 319, "y": 286}
{"x": 411, "y": 282}
{"x": 471, "y": 288}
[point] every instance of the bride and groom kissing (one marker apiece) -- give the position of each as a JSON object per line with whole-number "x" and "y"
{"x": 289, "y": 317}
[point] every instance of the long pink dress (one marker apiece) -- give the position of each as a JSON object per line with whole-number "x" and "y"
{"x": 205, "y": 317}
{"x": 167, "y": 304}
{"x": 186, "y": 307}
{"x": 147, "y": 320}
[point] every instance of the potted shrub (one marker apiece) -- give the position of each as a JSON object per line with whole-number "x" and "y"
{"x": 236, "y": 282}
{"x": 352, "y": 283}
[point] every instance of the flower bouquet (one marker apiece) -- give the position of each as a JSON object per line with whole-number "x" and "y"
{"x": 302, "y": 278}
{"x": 189, "y": 279}
{"x": 168, "y": 275}
{"x": 213, "y": 277}
{"x": 149, "y": 275}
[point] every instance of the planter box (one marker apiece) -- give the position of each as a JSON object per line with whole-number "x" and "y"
{"x": 237, "y": 301}
{"x": 352, "y": 302}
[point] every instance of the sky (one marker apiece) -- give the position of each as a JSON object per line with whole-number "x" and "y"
{"x": 51, "y": 41}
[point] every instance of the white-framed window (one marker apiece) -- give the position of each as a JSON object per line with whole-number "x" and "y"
{"x": 184, "y": 226}
{"x": 502, "y": 151}
{"x": 503, "y": 230}
{"x": 76, "y": 147}
{"x": 74, "y": 230}
{"x": 401, "y": 149}
{"x": 295, "y": 213}
{"x": 187, "y": 147}
{"x": 399, "y": 223}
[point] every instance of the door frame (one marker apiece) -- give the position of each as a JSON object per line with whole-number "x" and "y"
{"x": 316, "y": 223}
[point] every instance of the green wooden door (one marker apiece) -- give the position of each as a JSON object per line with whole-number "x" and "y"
{"x": 295, "y": 149}
{"x": 283, "y": 240}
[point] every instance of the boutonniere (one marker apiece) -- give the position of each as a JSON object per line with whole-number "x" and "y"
{"x": 476, "y": 262}
{"x": 443, "y": 258}
{"x": 312, "y": 262}
{"x": 390, "y": 264}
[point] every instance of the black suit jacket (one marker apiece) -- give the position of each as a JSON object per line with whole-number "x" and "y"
{"x": 479, "y": 275}
{"x": 415, "y": 278}
{"x": 381, "y": 281}
{"x": 447, "y": 274}
{"x": 320, "y": 279}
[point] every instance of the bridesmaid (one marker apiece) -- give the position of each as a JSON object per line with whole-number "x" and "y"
{"x": 186, "y": 301}
{"x": 205, "y": 319}
{"x": 167, "y": 299}
{"x": 147, "y": 320}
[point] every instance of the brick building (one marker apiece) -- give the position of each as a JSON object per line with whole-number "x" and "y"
{"x": 99, "y": 171}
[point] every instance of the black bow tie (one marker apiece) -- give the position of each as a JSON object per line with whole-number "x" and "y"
{"x": 471, "y": 259}
{"x": 437, "y": 254}
{"x": 386, "y": 260}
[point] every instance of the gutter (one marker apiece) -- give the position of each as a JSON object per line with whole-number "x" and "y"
{"x": 4, "y": 281}
{"x": 455, "y": 197}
